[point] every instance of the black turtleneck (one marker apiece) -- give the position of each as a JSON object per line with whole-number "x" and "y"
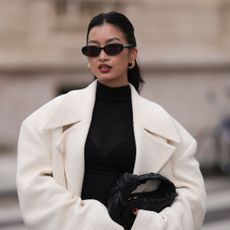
{"x": 110, "y": 145}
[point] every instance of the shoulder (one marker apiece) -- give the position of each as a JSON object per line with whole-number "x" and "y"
{"x": 147, "y": 107}
{"x": 40, "y": 116}
{"x": 157, "y": 117}
{"x": 153, "y": 106}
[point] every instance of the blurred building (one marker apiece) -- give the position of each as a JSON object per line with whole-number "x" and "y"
{"x": 184, "y": 51}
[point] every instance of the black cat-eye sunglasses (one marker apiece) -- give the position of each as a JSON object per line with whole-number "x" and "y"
{"x": 110, "y": 49}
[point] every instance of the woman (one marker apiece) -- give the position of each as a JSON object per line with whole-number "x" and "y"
{"x": 72, "y": 150}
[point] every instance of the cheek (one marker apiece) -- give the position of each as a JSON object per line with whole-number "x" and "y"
{"x": 91, "y": 61}
{"x": 122, "y": 61}
{"x": 92, "y": 64}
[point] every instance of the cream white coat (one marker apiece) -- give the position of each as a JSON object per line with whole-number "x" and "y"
{"x": 51, "y": 166}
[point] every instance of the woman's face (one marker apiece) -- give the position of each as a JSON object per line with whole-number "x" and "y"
{"x": 110, "y": 70}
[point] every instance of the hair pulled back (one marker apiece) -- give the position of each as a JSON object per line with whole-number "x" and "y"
{"x": 122, "y": 22}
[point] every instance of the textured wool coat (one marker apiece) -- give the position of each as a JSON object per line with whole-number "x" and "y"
{"x": 51, "y": 166}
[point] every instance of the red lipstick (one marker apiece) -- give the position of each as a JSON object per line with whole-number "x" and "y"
{"x": 104, "y": 68}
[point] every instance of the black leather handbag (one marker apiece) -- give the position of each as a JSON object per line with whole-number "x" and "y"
{"x": 123, "y": 199}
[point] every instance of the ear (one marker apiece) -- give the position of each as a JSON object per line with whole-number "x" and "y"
{"x": 133, "y": 53}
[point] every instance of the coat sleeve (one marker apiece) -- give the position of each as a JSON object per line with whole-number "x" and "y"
{"x": 44, "y": 203}
{"x": 188, "y": 210}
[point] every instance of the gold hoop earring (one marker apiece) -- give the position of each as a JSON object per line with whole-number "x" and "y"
{"x": 132, "y": 64}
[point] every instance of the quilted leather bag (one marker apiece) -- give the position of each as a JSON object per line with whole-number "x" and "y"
{"x": 125, "y": 197}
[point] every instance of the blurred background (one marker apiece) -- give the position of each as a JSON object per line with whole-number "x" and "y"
{"x": 184, "y": 52}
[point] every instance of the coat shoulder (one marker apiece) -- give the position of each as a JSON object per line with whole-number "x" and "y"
{"x": 153, "y": 106}
{"x": 39, "y": 117}
{"x": 161, "y": 115}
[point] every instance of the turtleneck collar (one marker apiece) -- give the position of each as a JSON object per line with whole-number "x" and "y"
{"x": 107, "y": 93}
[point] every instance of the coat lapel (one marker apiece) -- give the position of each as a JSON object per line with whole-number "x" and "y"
{"x": 73, "y": 116}
{"x": 71, "y": 146}
{"x": 77, "y": 105}
{"x": 153, "y": 129}
{"x": 151, "y": 153}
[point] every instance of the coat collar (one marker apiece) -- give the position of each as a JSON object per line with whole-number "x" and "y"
{"x": 78, "y": 105}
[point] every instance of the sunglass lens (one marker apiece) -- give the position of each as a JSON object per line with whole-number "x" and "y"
{"x": 91, "y": 51}
{"x": 110, "y": 49}
{"x": 113, "y": 49}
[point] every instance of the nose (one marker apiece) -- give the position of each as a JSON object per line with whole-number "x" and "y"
{"x": 103, "y": 55}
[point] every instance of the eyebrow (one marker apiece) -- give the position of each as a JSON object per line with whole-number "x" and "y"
{"x": 106, "y": 42}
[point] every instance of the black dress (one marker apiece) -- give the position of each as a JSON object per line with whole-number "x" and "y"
{"x": 110, "y": 145}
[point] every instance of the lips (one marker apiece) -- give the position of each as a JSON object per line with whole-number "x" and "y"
{"x": 104, "y": 68}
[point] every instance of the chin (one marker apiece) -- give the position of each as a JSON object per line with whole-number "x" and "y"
{"x": 106, "y": 78}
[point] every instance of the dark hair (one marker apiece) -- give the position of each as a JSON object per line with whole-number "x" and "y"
{"x": 122, "y": 22}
